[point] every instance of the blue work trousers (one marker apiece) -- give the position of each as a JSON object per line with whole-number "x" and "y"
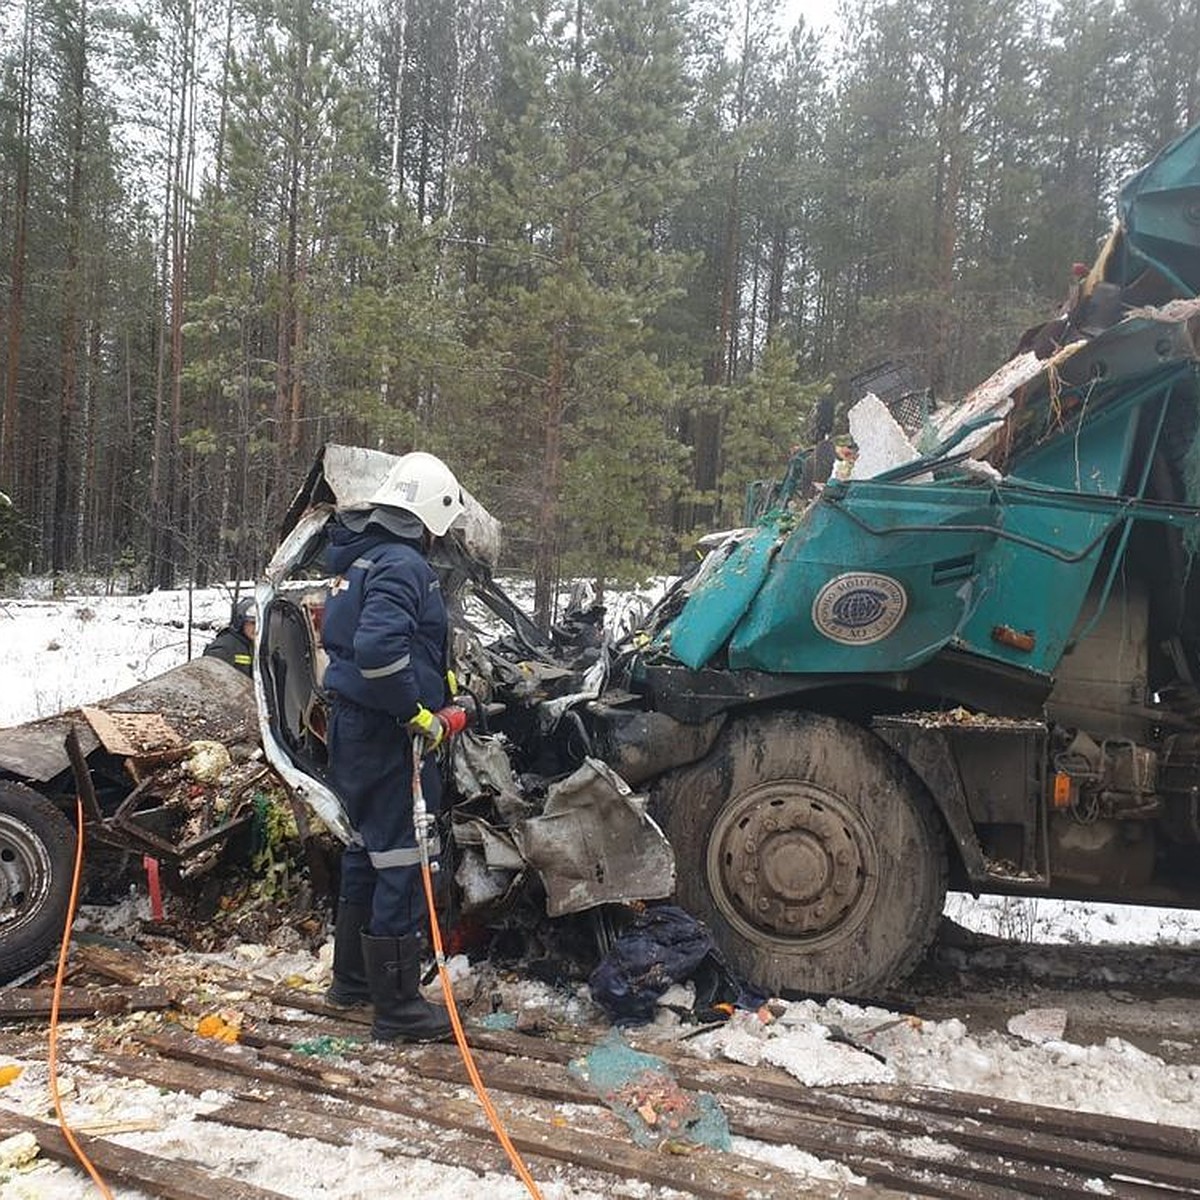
{"x": 370, "y": 766}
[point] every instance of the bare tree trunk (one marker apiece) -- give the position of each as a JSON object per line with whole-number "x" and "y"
{"x": 394, "y": 179}
{"x": 951, "y": 153}
{"x": 64, "y": 544}
{"x": 180, "y": 189}
{"x": 287, "y": 433}
{"x": 545, "y": 556}
{"x": 16, "y": 292}
{"x": 158, "y": 572}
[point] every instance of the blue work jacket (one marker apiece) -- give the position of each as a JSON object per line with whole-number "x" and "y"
{"x": 384, "y": 627}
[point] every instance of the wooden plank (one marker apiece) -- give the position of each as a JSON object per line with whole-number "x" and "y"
{"x": 313, "y": 1114}
{"x": 162, "y": 1177}
{"x": 869, "y": 1150}
{"x": 702, "y": 1174}
{"x": 131, "y": 734}
{"x": 81, "y": 1002}
{"x": 1010, "y": 1157}
{"x": 126, "y": 965}
{"x": 1095, "y": 1127}
{"x": 269, "y": 1106}
{"x": 1122, "y": 1134}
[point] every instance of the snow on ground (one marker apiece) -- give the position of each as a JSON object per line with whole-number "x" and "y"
{"x": 56, "y": 653}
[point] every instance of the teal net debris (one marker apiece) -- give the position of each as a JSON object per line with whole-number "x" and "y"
{"x": 499, "y": 1020}
{"x": 641, "y": 1090}
{"x": 326, "y": 1046}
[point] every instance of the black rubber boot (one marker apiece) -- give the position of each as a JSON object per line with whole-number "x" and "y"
{"x": 401, "y": 1012}
{"x": 349, "y": 988}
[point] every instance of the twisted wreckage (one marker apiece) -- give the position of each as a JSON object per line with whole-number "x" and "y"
{"x": 972, "y": 659}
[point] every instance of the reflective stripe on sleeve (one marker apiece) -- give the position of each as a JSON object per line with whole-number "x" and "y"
{"x": 405, "y": 856}
{"x": 390, "y": 669}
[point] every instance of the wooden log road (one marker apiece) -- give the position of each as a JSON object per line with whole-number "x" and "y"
{"x": 413, "y": 1102}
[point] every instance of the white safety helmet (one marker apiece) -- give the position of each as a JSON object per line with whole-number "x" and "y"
{"x": 423, "y": 485}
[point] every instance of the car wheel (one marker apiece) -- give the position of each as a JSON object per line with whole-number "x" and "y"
{"x": 37, "y": 852}
{"x": 812, "y": 852}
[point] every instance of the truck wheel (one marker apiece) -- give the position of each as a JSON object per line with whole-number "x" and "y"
{"x": 814, "y": 855}
{"x": 37, "y": 858}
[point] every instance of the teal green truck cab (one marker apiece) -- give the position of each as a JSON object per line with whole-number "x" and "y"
{"x": 978, "y": 668}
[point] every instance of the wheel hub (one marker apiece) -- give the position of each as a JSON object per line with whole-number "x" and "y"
{"x": 24, "y": 869}
{"x": 790, "y": 859}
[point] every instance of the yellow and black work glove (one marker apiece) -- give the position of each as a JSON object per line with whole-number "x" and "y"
{"x": 429, "y": 726}
{"x": 437, "y": 727}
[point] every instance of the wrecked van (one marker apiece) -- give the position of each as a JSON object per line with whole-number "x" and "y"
{"x": 169, "y": 771}
{"x": 970, "y": 658}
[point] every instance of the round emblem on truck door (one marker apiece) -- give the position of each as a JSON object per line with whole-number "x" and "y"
{"x": 859, "y": 608}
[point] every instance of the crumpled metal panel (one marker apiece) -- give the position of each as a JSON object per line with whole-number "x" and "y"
{"x": 202, "y": 699}
{"x": 595, "y": 844}
{"x": 496, "y": 846}
{"x": 37, "y": 752}
{"x": 481, "y": 768}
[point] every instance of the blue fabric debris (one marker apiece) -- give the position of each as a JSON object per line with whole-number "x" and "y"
{"x": 662, "y": 946}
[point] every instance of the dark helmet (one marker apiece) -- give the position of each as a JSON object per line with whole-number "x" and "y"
{"x": 244, "y": 610}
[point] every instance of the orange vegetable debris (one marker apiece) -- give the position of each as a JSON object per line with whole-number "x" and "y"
{"x": 215, "y": 1027}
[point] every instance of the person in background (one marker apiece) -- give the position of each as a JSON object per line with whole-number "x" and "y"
{"x": 385, "y": 630}
{"x": 235, "y": 643}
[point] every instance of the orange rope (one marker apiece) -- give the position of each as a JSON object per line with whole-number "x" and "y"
{"x": 460, "y": 1037}
{"x": 59, "y": 976}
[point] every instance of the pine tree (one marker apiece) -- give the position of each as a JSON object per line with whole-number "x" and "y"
{"x": 584, "y": 165}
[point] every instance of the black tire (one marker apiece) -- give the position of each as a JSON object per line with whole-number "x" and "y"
{"x": 812, "y": 852}
{"x": 37, "y": 860}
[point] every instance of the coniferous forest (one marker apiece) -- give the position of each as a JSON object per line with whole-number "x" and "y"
{"x": 609, "y": 258}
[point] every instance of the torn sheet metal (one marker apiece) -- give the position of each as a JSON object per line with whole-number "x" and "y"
{"x": 481, "y": 886}
{"x": 202, "y": 699}
{"x": 988, "y": 404}
{"x": 595, "y": 844}
{"x": 593, "y": 683}
{"x": 37, "y": 752}
{"x": 496, "y": 846}
{"x": 482, "y": 769}
{"x": 353, "y": 474}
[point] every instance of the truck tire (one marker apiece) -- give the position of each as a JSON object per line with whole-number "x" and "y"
{"x": 37, "y": 858}
{"x": 811, "y": 851}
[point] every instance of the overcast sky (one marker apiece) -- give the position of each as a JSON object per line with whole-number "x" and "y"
{"x": 816, "y": 13}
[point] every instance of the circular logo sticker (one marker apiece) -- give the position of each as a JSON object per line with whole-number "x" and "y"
{"x": 859, "y": 608}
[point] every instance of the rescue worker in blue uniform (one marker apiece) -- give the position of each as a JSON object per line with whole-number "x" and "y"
{"x": 385, "y": 632}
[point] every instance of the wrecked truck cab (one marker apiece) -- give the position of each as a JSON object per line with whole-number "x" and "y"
{"x": 973, "y": 656}
{"x": 969, "y": 657}
{"x": 527, "y": 797}
{"x": 167, "y": 769}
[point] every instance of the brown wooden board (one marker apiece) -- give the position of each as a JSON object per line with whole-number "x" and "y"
{"x": 131, "y": 734}
{"x": 127, "y": 965}
{"x": 705, "y": 1173}
{"x": 866, "y": 1134}
{"x": 165, "y": 1177}
{"x": 81, "y": 1002}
